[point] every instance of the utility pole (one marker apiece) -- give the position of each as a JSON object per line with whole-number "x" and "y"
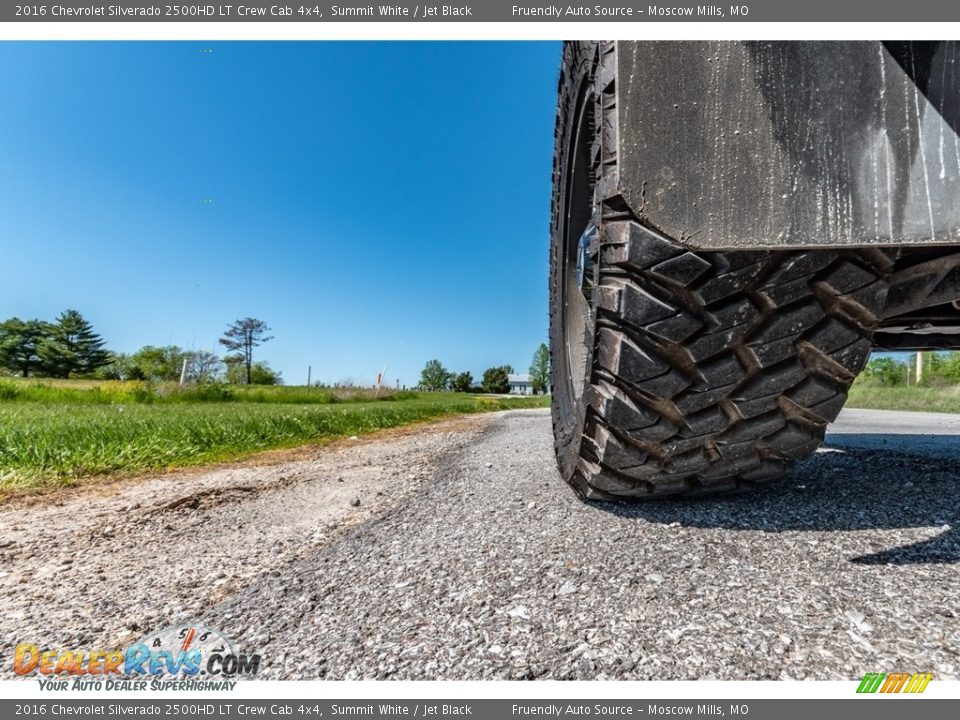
{"x": 380, "y": 378}
{"x": 183, "y": 373}
{"x": 309, "y": 372}
{"x": 919, "y": 366}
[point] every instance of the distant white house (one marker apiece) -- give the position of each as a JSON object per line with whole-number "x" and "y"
{"x": 520, "y": 384}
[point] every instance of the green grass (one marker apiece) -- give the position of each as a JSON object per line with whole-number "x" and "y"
{"x": 919, "y": 399}
{"x": 49, "y": 442}
{"x": 97, "y": 392}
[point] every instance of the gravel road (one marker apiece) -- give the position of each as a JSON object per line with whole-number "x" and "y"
{"x": 101, "y": 566}
{"x": 481, "y": 563}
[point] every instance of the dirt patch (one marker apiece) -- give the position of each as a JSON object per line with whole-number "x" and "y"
{"x": 140, "y": 553}
{"x": 107, "y": 484}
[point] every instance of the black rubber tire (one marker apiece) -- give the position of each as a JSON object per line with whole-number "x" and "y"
{"x": 690, "y": 372}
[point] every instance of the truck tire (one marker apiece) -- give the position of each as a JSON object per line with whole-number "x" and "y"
{"x": 676, "y": 371}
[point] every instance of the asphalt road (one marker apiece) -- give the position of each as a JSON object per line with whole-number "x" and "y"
{"x": 494, "y": 569}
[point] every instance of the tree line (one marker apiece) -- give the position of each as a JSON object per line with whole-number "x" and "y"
{"x": 435, "y": 377}
{"x": 69, "y": 347}
{"x": 938, "y": 369}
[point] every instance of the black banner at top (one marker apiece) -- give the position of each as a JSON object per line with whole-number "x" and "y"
{"x": 485, "y": 11}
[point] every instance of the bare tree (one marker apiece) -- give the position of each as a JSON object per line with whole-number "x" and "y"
{"x": 243, "y": 336}
{"x": 203, "y": 365}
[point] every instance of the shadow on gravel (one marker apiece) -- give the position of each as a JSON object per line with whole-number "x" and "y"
{"x": 854, "y": 483}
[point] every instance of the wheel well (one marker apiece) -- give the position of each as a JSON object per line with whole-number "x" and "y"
{"x": 923, "y": 303}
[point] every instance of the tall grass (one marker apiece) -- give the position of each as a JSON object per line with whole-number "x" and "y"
{"x": 55, "y": 442}
{"x": 136, "y": 392}
{"x": 914, "y": 398}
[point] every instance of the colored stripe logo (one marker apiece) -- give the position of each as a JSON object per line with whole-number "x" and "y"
{"x": 894, "y": 682}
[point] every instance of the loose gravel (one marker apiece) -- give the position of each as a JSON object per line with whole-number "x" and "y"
{"x": 102, "y": 566}
{"x": 496, "y": 570}
{"x": 485, "y": 565}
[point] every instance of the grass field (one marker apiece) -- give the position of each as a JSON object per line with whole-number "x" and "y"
{"x": 98, "y": 392}
{"x": 919, "y": 399}
{"x": 56, "y": 434}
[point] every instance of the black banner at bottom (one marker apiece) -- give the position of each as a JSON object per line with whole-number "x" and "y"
{"x": 872, "y": 707}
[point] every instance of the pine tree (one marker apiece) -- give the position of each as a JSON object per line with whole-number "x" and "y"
{"x": 243, "y": 336}
{"x": 72, "y": 347}
{"x": 19, "y": 344}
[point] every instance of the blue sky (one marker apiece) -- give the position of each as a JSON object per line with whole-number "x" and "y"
{"x": 372, "y": 202}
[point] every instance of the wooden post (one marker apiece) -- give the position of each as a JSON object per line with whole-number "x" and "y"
{"x": 380, "y": 378}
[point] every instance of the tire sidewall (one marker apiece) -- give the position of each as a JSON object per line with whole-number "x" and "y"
{"x": 569, "y": 413}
